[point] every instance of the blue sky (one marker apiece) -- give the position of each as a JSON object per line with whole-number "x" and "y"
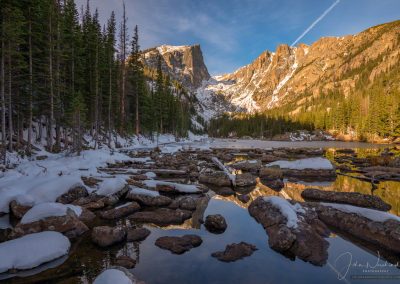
{"x": 233, "y": 33}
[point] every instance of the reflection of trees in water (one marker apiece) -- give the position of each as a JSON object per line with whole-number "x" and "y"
{"x": 389, "y": 191}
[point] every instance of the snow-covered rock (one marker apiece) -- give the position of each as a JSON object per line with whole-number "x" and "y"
{"x": 32, "y": 250}
{"x": 183, "y": 188}
{"x": 287, "y": 209}
{"x": 33, "y": 182}
{"x": 111, "y": 186}
{"x": 115, "y": 276}
{"x": 371, "y": 214}
{"x": 143, "y": 191}
{"x": 48, "y": 209}
{"x": 302, "y": 164}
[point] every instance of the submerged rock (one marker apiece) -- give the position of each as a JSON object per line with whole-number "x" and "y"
{"x": 352, "y": 198}
{"x": 215, "y": 224}
{"x": 162, "y": 216}
{"x": 120, "y": 211}
{"x": 105, "y": 236}
{"x": 179, "y": 245}
{"x": 291, "y": 229}
{"x": 235, "y": 252}
{"x": 125, "y": 261}
{"x": 137, "y": 235}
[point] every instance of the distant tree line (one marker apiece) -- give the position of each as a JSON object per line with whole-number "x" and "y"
{"x": 63, "y": 74}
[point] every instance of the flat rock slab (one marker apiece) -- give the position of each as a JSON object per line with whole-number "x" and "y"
{"x": 179, "y": 245}
{"x": 352, "y": 198}
{"x": 235, "y": 252}
{"x": 386, "y": 233}
{"x": 137, "y": 235}
{"x": 152, "y": 201}
{"x": 162, "y": 216}
{"x": 120, "y": 211}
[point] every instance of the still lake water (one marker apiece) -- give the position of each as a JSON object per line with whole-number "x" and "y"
{"x": 348, "y": 258}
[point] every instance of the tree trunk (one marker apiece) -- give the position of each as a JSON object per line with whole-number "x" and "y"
{"x": 29, "y": 146}
{"x": 10, "y": 122}
{"x": 51, "y": 119}
{"x": 137, "y": 129}
{"x": 96, "y": 109}
{"x": 109, "y": 102}
{"x": 123, "y": 59}
{"x": 58, "y": 81}
{"x": 3, "y": 100}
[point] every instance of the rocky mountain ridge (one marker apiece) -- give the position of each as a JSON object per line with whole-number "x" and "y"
{"x": 288, "y": 75}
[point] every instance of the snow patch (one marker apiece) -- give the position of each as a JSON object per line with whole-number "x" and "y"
{"x": 142, "y": 191}
{"x": 371, "y": 214}
{"x": 287, "y": 209}
{"x": 32, "y": 250}
{"x": 184, "y": 188}
{"x": 309, "y": 163}
{"x": 48, "y": 209}
{"x": 113, "y": 276}
{"x": 110, "y": 186}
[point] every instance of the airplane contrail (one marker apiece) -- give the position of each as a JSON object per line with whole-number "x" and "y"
{"x": 315, "y": 22}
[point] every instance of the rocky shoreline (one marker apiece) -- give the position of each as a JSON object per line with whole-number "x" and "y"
{"x": 173, "y": 189}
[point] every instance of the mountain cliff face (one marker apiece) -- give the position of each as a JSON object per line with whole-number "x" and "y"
{"x": 290, "y": 75}
{"x": 183, "y": 63}
{"x": 293, "y": 74}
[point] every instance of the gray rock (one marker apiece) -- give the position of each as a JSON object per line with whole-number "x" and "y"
{"x": 137, "y": 235}
{"x": 105, "y": 236}
{"x": 215, "y": 224}
{"x": 162, "y": 216}
{"x": 235, "y": 252}
{"x": 352, "y": 198}
{"x": 179, "y": 245}
{"x": 121, "y": 211}
{"x": 73, "y": 194}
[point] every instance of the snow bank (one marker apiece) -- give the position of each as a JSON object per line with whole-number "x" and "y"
{"x": 287, "y": 209}
{"x": 32, "y": 250}
{"x": 48, "y": 209}
{"x": 111, "y": 185}
{"x": 184, "y": 188}
{"x": 34, "y": 182}
{"x": 309, "y": 163}
{"x": 150, "y": 175}
{"x": 142, "y": 191}
{"x": 373, "y": 215}
{"x": 5, "y": 222}
{"x": 113, "y": 276}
